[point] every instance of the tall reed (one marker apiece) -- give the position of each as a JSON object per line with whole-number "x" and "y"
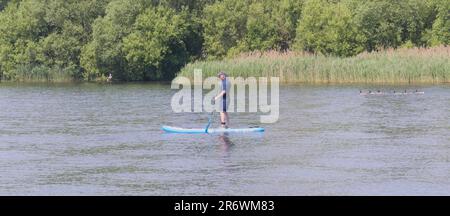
{"x": 27, "y": 73}
{"x": 413, "y": 65}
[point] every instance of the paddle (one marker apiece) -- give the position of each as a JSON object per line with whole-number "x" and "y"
{"x": 210, "y": 117}
{"x": 209, "y": 121}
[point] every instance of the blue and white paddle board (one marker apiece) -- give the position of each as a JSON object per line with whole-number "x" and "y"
{"x": 170, "y": 129}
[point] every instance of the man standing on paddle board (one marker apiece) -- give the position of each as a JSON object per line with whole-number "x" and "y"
{"x": 224, "y": 87}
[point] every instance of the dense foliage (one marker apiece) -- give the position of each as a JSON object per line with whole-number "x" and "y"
{"x": 153, "y": 39}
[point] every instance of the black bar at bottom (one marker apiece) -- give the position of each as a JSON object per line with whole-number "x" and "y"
{"x": 225, "y": 205}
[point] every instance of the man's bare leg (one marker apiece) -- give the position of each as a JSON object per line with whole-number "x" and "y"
{"x": 227, "y": 120}
{"x": 224, "y": 119}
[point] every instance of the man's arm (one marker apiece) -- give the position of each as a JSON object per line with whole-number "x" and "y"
{"x": 219, "y": 95}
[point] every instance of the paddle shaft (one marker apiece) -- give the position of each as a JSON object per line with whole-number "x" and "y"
{"x": 209, "y": 122}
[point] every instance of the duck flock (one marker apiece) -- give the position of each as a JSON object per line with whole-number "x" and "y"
{"x": 378, "y": 92}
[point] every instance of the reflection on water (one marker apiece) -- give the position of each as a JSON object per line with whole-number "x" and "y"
{"x": 89, "y": 139}
{"x": 226, "y": 143}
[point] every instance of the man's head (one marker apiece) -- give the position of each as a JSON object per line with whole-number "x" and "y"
{"x": 222, "y": 75}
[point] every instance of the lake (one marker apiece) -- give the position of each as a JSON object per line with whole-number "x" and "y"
{"x": 92, "y": 139}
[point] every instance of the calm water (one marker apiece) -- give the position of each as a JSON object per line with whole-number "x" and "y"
{"x": 92, "y": 139}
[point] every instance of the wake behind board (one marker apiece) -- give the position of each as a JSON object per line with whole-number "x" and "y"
{"x": 170, "y": 129}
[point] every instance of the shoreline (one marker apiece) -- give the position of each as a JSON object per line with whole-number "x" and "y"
{"x": 412, "y": 66}
{"x": 293, "y": 83}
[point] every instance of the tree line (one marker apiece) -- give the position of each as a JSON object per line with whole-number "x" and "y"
{"x": 153, "y": 39}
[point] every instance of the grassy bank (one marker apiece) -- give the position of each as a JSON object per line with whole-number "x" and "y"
{"x": 413, "y": 65}
{"x": 27, "y": 73}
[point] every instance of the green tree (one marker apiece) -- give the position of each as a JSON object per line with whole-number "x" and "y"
{"x": 3, "y": 4}
{"x": 193, "y": 6}
{"x": 391, "y": 23}
{"x": 45, "y": 34}
{"x": 285, "y": 15}
{"x": 143, "y": 40}
{"x": 441, "y": 26}
{"x": 22, "y": 24}
{"x": 233, "y": 26}
{"x": 104, "y": 54}
{"x": 328, "y": 28}
{"x": 155, "y": 49}
{"x": 224, "y": 25}
{"x": 192, "y": 11}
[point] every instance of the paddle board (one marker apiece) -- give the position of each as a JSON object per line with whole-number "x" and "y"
{"x": 170, "y": 129}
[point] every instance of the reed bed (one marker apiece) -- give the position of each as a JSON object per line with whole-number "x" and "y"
{"x": 413, "y": 65}
{"x": 26, "y": 73}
